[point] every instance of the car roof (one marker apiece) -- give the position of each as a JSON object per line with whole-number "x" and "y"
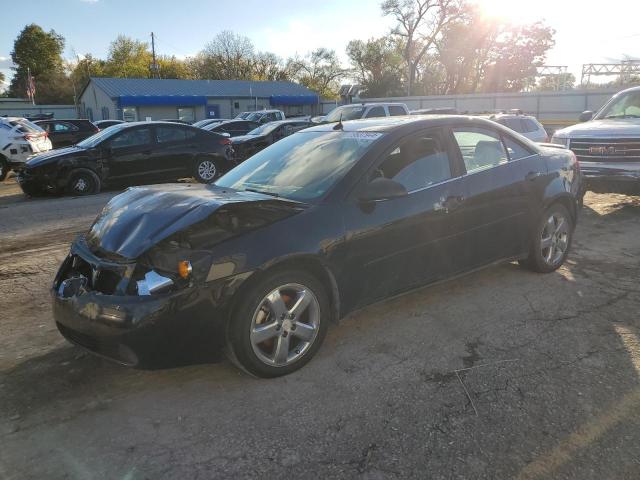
{"x": 386, "y": 124}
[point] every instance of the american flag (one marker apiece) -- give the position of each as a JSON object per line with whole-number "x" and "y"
{"x": 31, "y": 87}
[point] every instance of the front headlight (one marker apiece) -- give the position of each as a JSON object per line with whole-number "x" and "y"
{"x": 560, "y": 141}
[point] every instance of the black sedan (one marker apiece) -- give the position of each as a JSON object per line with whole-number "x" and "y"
{"x": 127, "y": 154}
{"x": 233, "y": 128}
{"x": 102, "y": 124}
{"x": 321, "y": 223}
{"x": 64, "y": 133}
{"x": 263, "y": 136}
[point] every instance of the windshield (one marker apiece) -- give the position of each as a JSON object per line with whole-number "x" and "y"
{"x": 25, "y": 126}
{"x": 344, "y": 113}
{"x": 303, "y": 166}
{"x": 265, "y": 129}
{"x": 255, "y": 116}
{"x": 102, "y": 135}
{"x": 244, "y": 115}
{"x": 625, "y": 106}
{"x": 204, "y": 122}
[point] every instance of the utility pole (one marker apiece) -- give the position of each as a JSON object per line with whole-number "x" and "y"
{"x": 155, "y": 71}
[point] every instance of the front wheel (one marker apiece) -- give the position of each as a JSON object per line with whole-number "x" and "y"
{"x": 279, "y": 324}
{"x": 4, "y": 168}
{"x": 207, "y": 170}
{"x": 552, "y": 240}
{"x": 83, "y": 182}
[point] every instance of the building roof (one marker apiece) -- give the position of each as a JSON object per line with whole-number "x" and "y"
{"x": 117, "y": 87}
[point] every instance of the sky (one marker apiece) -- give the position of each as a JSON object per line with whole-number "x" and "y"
{"x": 587, "y": 31}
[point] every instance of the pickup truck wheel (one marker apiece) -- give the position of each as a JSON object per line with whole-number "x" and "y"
{"x": 207, "y": 170}
{"x": 4, "y": 168}
{"x": 552, "y": 240}
{"x": 83, "y": 182}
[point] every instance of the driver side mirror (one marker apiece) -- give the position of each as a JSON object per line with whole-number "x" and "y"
{"x": 586, "y": 116}
{"x": 382, "y": 189}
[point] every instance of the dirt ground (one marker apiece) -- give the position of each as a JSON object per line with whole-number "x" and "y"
{"x": 500, "y": 374}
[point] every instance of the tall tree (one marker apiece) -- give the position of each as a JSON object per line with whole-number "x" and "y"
{"x": 128, "y": 58}
{"x": 377, "y": 66}
{"x": 40, "y": 53}
{"x": 227, "y": 57}
{"x": 320, "y": 71}
{"x": 419, "y": 25}
{"x": 172, "y": 67}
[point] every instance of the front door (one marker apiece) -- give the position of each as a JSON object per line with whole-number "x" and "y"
{"x": 130, "y": 153}
{"x": 496, "y": 201}
{"x": 405, "y": 242}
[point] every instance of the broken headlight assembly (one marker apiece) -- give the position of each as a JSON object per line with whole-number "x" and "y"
{"x": 157, "y": 283}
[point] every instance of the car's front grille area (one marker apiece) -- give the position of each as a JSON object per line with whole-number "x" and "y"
{"x": 105, "y": 279}
{"x": 606, "y": 149}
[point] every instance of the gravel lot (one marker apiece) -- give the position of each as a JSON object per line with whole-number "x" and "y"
{"x": 500, "y": 374}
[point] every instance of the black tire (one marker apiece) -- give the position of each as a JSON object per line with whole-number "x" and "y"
{"x": 83, "y": 182}
{"x": 240, "y": 348}
{"x": 543, "y": 259}
{"x": 4, "y": 168}
{"x": 208, "y": 170}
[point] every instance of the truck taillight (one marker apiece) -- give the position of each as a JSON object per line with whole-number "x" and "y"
{"x": 225, "y": 141}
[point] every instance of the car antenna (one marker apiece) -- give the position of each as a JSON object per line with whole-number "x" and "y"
{"x": 339, "y": 126}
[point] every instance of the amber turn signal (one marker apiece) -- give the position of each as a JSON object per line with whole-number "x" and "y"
{"x": 184, "y": 269}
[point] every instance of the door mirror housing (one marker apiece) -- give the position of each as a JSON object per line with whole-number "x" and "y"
{"x": 586, "y": 116}
{"x": 382, "y": 189}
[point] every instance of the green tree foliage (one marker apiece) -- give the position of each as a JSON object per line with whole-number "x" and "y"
{"x": 320, "y": 71}
{"x": 41, "y": 53}
{"x": 128, "y": 58}
{"x": 377, "y": 65}
{"x": 560, "y": 81}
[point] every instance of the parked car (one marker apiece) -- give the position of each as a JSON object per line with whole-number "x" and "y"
{"x": 365, "y": 110}
{"x": 102, "y": 124}
{"x": 262, "y": 116}
{"x": 246, "y": 145}
{"x": 526, "y": 125}
{"x": 19, "y": 139}
{"x": 63, "y": 133}
{"x": 313, "y": 227}
{"x": 126, "y": 154}
{"x": 607, "y": 144}
{"x": 209, "y": 121}
{"x": 435, "y": 111}
{"x": 233, "y": 128}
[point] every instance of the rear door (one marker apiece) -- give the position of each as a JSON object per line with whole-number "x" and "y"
{"x": 405, "y": 242}
{"x": 495, "y": 198}
{"x": 174, "y": 153}
{"x": 131, "y": 153}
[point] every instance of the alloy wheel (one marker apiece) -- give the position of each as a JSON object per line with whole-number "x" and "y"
{"x": 80, "y": 185}
{"x": 285, "y": 325}
{"x": 555, "y": 238}
{"x": 207, "y": 170}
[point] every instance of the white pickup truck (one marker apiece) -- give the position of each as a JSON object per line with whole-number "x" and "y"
{"x": 607, "y": 144}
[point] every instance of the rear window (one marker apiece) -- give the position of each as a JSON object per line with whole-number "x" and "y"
{"x": 529, "y": 125}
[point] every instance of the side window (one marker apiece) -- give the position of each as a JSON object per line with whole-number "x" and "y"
{"x": 480, "y": 148}
{"x": 62, "y": 127}
{"x": 514, "y": 124}
{"x": 396, "y": 110}
{"x": 376, "y": 112}
{"x": 418, "y": 162}
{"x": 515, "y": 149}
{"x": 132, "y": 138}
{"x": 170, "y": 134}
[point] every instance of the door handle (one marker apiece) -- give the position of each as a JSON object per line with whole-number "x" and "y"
{"x": 531, "y": 176}
{"x": 450, "y": 203}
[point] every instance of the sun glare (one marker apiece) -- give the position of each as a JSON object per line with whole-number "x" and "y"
{"x": 510, "y": 10}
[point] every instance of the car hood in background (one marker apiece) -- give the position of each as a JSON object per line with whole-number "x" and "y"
{"x": 139, "y": 218}
{"x": 53, "y": 156}
{"x": 246, "y": 138}
{"x": 609, "y": 127}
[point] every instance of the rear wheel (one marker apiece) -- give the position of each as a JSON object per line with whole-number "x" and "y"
{"x": 83, "y": 182}
{"x": 207, "y": 170}
{"x": 279, "y": 324}
{"x": 4, "y": 168}
{"x": 552, "y": 240}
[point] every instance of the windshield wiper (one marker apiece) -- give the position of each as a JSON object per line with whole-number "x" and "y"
{"x": 261, "y": 191}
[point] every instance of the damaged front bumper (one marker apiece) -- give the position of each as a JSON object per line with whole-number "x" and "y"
{"x": 93, "y": 309}
{"x": 612, "y": 177}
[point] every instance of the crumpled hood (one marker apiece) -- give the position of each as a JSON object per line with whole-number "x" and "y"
{"x": 53, "y": 156}
{"x": 602, "y": 128}
{"x": 139, "y": 218}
